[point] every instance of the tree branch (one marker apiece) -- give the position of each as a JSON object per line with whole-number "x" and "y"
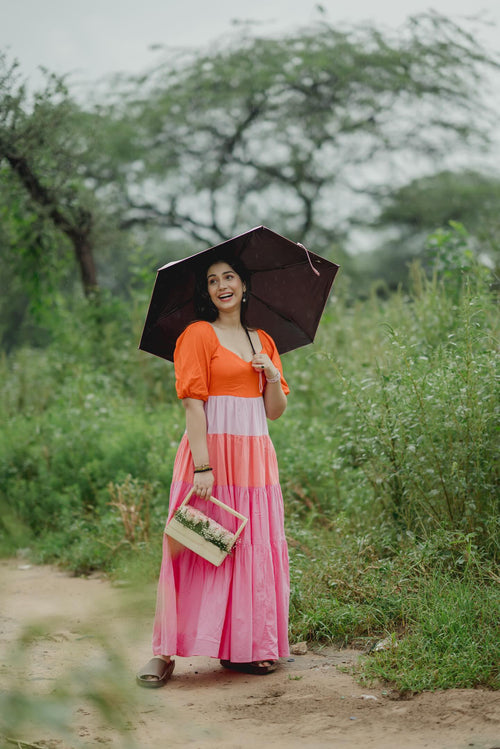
{"x": 78, "y": 232}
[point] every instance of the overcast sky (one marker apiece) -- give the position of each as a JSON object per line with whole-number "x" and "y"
{"x": 91, "y": 38}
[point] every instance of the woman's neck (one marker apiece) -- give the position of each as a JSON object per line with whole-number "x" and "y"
{"x": 229, "y": 320}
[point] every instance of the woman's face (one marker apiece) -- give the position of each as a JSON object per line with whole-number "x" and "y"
{"x": 225, "y": 287}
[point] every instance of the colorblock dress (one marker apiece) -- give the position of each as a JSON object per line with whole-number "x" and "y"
{"x": 238, "y": 611}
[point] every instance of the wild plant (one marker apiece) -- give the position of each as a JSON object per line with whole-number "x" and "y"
{"x": 427, "y": 412}
{"x": 132, "y": 498}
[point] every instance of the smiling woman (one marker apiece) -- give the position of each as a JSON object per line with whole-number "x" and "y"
{"x": 225, "y": 287}
{"x": 227, "y": 292}
{"x": 227, "y": 277}
{"x": 229, "y": 379}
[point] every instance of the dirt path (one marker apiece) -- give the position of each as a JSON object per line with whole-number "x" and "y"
{"x": 309, "y": 702}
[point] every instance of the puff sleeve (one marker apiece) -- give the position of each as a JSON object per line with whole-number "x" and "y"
{"x": 192, "y": 358}
{"x": 270, "y": 349}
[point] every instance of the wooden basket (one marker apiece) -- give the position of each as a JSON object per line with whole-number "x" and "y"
{"x": 193, "y": 541}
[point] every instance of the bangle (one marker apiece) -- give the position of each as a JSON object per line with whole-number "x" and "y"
{"x": 203, "y": 469}
{"x": 274, "y": 378}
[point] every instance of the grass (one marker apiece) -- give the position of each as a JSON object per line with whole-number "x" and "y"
{"x": 451, "y": 638}
{"x": 439, "y": 600}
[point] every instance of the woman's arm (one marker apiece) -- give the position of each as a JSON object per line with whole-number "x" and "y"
{"x": 196, "y": 427}
{"x": 274, "y": 400}
{"x": 274, "y": 397}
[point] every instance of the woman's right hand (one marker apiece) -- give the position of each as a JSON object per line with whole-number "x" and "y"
{"x": 203, "y": 484}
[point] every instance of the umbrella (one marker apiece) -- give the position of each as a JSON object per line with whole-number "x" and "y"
{"x": 289, "y": 290}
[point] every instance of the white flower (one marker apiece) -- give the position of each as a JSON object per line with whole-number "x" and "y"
{"x": 205, "y": 527}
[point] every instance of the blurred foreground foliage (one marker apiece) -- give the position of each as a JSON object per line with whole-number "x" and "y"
{"x": 388, "y": 457}
{"x": 98, "y": 685}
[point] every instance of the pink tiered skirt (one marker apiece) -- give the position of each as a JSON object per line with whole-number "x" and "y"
{"x": 238, "y": 611}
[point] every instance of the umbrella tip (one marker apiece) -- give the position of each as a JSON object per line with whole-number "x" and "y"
{"x": 299, "y": 244}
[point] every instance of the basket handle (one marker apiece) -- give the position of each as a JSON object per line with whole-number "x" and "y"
{"x": 217, "y": 502}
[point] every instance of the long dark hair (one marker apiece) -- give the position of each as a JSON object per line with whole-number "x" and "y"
{"x": 204, "y": 307}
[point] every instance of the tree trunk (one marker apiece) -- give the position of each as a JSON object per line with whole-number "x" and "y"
{"x": 78, "y": 228}
{"x": 85, "y": 259}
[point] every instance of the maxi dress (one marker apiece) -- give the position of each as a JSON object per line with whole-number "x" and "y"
{"x": 238, "y": 611}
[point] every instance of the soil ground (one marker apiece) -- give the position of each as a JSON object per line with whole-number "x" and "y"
{"x": 311, "y": 701}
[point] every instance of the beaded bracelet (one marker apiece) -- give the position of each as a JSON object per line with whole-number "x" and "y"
{"x": 203, "y": 469}
{"x": 275, "y": 377}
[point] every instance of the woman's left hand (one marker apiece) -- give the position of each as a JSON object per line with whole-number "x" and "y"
{"x": 262, "y": 363}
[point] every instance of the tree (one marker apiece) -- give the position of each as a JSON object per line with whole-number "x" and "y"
{"x": 34, "y": 259}
{"x": 299, "y": 132}
{"x": 41, "y": 143}
{"x": 410, "y": 213}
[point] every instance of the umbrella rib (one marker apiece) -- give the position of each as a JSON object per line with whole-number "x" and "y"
{"x": 279, "y": 267}
{"x": 173, "y": 310}
{"x": 277, "y": 312}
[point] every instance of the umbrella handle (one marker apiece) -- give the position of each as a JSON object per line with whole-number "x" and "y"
{"x": 309, "y": 258}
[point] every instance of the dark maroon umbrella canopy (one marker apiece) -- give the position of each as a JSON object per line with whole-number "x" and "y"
{"x": 289, "y": 290}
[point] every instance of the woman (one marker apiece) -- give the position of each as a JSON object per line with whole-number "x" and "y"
{"x": 229, "y": 379}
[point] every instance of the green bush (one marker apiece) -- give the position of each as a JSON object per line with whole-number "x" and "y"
{"x": 401, "y": 423}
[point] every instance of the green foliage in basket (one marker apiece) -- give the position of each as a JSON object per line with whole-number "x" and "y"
{"x": 205, "y": 527}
